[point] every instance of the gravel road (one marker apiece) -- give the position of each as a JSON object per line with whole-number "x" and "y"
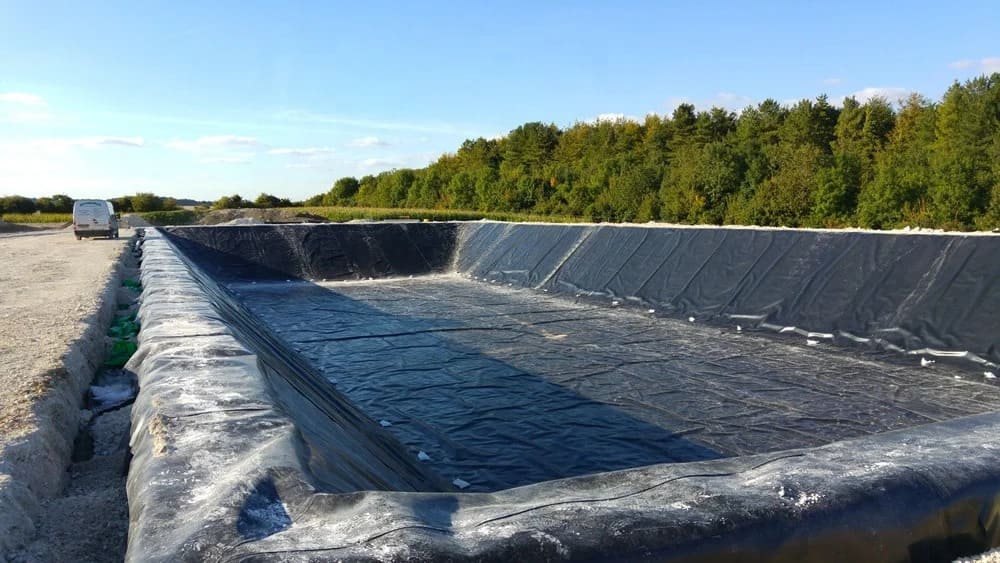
{"x": 56, "y": 293}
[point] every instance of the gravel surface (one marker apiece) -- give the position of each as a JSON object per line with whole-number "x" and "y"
{"x": 56, "y": 293}
{"x": 988, "y": 557}
{"x": 7, "y": 228}
{"x": 49, "y": 289}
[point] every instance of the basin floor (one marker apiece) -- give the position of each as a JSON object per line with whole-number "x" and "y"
{"x": 502, "y": 387}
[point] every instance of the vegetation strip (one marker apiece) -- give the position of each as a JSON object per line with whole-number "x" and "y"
{"x": 871, "y": 164}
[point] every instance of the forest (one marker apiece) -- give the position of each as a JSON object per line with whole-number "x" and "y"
{"x": 812, "y": 164}
{"x": 875, "y": 164}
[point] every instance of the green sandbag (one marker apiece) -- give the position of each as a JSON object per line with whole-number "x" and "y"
{"x": 121, "y": 351}
{"x": 123, "y": 328}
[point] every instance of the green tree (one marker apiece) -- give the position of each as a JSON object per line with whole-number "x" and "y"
{"x": 314, "y": 201}
{"x": 342, "y": 192}
{"x": 145, "y": 201}
{"x": 367, "y": 187}
{"x": 836, "y": 191}
{"x": 624, "y": 199}
{"x": 902, "y": 172}
{"x": 784, "y": 198}
{"x": 859, "y": 134}
{"x": 756, "y": 139}
{"x": 962, "y": 170}
{"x": 461, "y": 191}
{"x": 17, "y": 204}
{"x": 122, "y": 204}
{"x": 530, "y": 145}
{"x": 234, "y": 201}
{"x": 265, "y": 200}
{"x": 810, "y": 163}
{"x": 58, "y": 203}
{"x": 62, "y": 203}
{"x": 43, "y": 204}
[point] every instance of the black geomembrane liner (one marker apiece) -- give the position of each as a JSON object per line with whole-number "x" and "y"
{"x": 497, "y": 392}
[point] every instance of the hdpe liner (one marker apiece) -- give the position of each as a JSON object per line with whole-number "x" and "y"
{"x": 251, "y": 442}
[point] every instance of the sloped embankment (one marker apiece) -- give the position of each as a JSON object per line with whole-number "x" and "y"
{"x": 265, "y": 433}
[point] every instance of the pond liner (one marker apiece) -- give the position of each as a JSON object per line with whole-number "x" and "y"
{"x": 242, "y": 454}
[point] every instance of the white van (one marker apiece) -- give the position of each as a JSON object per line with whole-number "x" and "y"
{"x": 94, "y": 218}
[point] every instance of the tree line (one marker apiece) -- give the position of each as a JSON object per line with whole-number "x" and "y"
{"x": 871, "y": 164}
{"x": 59, "y": 203}
{"x": 139, "y": 203}
{"x": 62, "y": 203}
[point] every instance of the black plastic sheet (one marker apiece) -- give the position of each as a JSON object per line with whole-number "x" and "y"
{"x": 502, "y": 388}
{"x": 904, "y": 291}
{"x": 257, "y": 252}
{"x": 257, "y": 430}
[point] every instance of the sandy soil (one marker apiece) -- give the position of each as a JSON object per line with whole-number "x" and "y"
{"x": 6, "y": 228}
{"x": 56, "y": 295}
{"x": 89, "y": 521}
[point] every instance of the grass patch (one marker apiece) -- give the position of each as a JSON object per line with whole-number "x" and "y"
{"x": 341, "y": 214}
{"x": 180, "y": 217}
{"x": 37, "y": 217}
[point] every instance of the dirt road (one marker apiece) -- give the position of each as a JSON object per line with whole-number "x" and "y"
{"x": 56, "y": 293}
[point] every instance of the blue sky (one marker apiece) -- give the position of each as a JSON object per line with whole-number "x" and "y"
{"x": 202, "y": 99}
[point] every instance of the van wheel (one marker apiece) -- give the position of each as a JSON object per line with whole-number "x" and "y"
{"x": 78, "y": 237}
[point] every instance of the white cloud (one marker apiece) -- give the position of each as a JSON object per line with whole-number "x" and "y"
{"x": 368, "y": 142}
{"x": 21, "y": 107}
{"x": 27, "y": 116}
{"x": 730, "y": 101}
{"x": 411, "y": 160}
{"x": 55, "y": 145}
{"x": 22, "y": 98}
{"x": 303, "y": 151}
{"x": 726, "y": 100}
{"x": 674, "y": 101}
{"x": 613, "y": 118}
{"x": 214, "y": 143}
{"x": 115, "y": 141}
{"x": 228, "y": 159}
{"x": 43, "y": 167}
{"x": 737, "y": 103}
{"x": 987, "y": 65}
{"x": 220, "y": 149}
{"x": 610, "y": 117}
{"x": 890, "y": 94}
{"x": 370, "y": 163}
{"x": 304, "y": 157}
{"x": 229, "y": 141}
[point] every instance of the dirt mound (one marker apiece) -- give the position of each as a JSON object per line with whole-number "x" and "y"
{"x": 258, "y": 216}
